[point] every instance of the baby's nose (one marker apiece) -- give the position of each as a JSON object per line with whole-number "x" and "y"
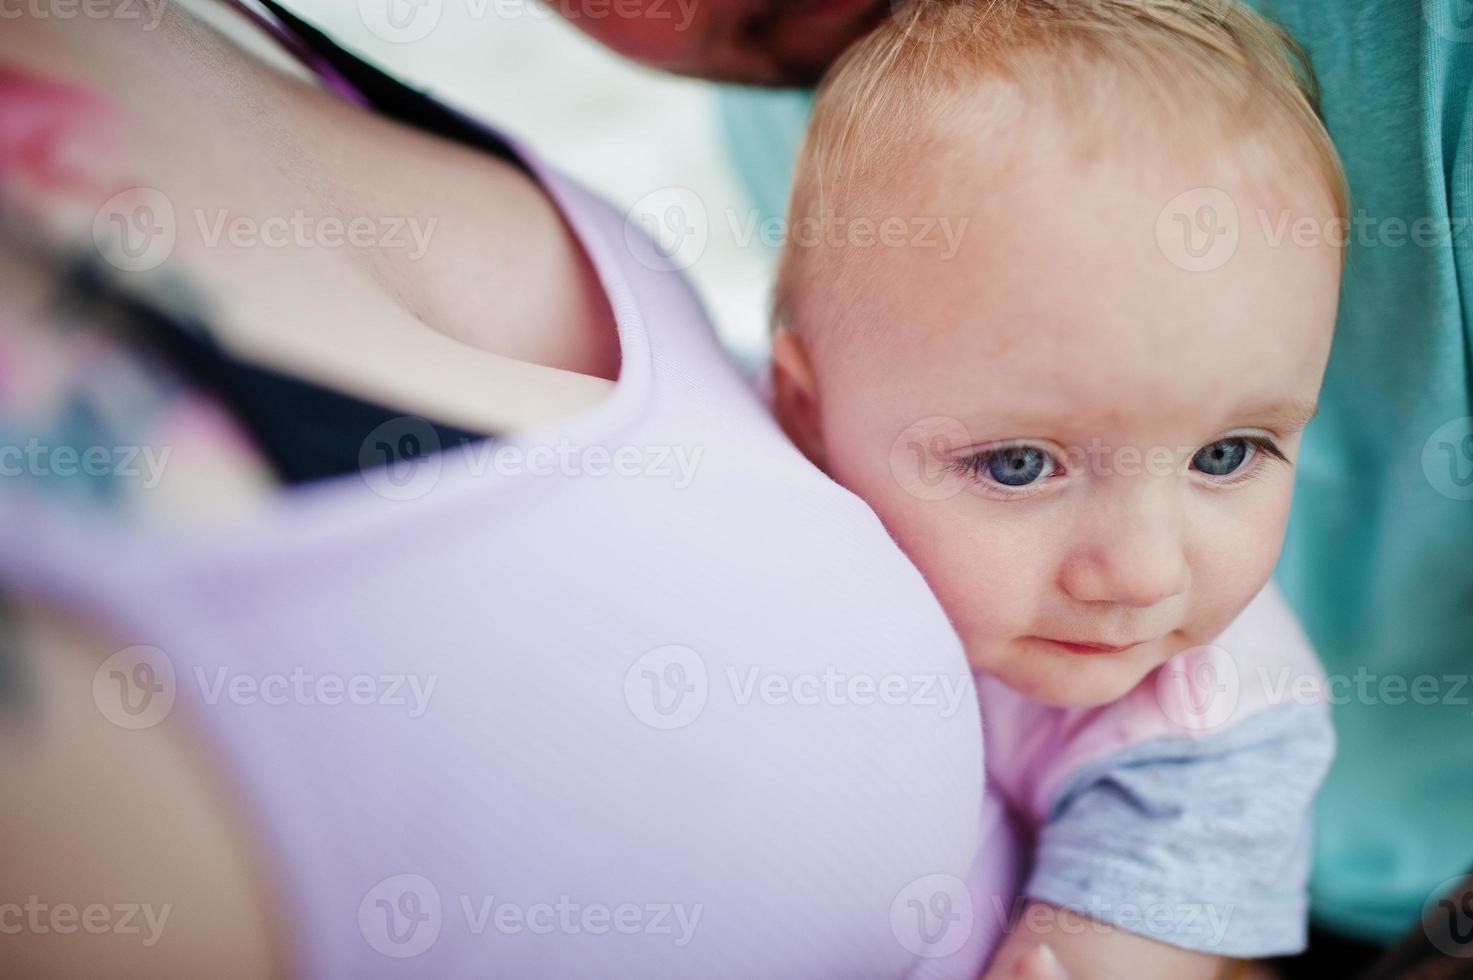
{"x": 1131, "y": 553}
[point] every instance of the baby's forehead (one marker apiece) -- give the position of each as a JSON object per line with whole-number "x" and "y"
{"x": 1058, "y": 292}
{"x": 1044, "y": 215}
{"x": 1003, "y": 153}
{"x": 1074, "y": 379}
{"x": 1070, "y": 274}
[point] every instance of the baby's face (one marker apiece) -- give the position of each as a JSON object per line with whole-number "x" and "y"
{"x": 1086, "y": 448}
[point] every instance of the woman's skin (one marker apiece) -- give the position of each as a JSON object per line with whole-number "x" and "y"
{"x": 498, "y": 324}
{"x": 98, "y": 815}
{"x": 756, "y": 42}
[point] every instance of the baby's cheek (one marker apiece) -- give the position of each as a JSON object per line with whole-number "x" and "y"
{"x": 987, "y": 574}
{"x": 987, "y": 581}
{"x": 1239, "y": 550}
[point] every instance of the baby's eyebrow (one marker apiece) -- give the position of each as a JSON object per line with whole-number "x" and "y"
{"x": 1289, "y": 415}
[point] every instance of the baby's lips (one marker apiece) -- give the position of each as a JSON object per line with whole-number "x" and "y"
{"x": 54, "y": 136}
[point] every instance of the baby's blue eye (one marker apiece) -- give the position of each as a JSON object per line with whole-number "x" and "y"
{"x": 1223, "y": 457}
{"x": 1014, "y": 467}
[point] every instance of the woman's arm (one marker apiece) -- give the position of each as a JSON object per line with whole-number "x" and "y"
{"x": 121, "y": 855}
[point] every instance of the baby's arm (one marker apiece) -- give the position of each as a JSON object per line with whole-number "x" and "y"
{"x": 1050, "y": 943}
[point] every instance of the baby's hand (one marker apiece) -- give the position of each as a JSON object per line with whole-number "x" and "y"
{"x": 1038, "y": 963}
{"x": 1047, "y": 937}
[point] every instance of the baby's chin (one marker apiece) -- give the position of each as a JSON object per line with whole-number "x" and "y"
{"x": 1068, "y": 680}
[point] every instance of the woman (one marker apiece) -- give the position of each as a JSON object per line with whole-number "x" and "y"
{"x": 475, "y": 678}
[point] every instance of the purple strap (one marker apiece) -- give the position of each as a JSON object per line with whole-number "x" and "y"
{"x": 311, "y": 60}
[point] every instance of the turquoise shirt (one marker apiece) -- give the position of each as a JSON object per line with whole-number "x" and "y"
{"x": 1378, "y": 560}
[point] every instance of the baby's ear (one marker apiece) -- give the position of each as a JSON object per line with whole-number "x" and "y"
{"x": 795, "y": 395}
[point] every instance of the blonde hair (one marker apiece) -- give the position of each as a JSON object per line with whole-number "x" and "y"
{"x": 1209, "y": 75}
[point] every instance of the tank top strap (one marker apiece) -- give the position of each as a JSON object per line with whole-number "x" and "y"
{"x": 273, "y": 20}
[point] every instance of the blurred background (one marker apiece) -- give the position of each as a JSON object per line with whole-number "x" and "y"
{"x": 644, "y": 140}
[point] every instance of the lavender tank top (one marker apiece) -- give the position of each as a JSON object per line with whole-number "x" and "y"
{"x": 639, "y": 693}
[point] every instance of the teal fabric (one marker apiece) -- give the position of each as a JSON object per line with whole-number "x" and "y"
{"x": 762, "y": 129}
{"x": 1379, "y": 556}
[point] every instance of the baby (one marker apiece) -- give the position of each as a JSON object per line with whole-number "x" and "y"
{"x": 1081, "y": 423}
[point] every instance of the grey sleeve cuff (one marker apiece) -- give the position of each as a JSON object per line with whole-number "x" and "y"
{"x": 1200, "y": 843}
